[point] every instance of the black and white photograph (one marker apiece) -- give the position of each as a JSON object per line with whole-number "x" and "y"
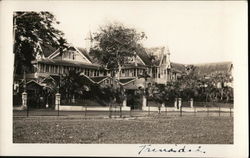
{"x": 123, "y": 78}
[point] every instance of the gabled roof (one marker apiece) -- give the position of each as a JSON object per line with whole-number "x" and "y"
{"x": 99, "y": 79}
{"x": 151, "y": 56}
{"x": 48, "y": 78}
{"x": 143, "y": 55}
{"x": 48, "y": 50}
{"x": 87, "y": 79}
{"x": 156, "y": 53}
{"x": 210, "y": 68}
{"x": 177, "y": 67}
{"x": 126, "y": 81}
{"x": 81, "y": 52}
{"x": 85, "y": 53}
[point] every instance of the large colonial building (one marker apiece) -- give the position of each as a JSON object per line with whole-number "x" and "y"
{"x": 160, "y": 69}
{"x": 155, "y": 62}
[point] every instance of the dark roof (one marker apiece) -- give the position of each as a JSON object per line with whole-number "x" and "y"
{"x": 89, "y": 56}
{"x": 47, "y": 79}
{"x": 86, "y": 80}
{"x": 67, "y": 63}
{"x": 178, "y": 67}
{"x": 142, "y": 53}
{"x": 155, "y": 53}
{"x": 211, "y": 68}
{"x": 85, "y": 53}
{"x": 130, "y": 86}
{"x": 98, "y": 78}
{"x": 48, "y": 50}
{"x": 126, "y": 80}
{"x": 33, "y": 85}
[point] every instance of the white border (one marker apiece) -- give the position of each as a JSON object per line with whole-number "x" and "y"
{"x": 238, "y": 149}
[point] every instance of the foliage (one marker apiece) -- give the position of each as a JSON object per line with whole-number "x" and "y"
{"x": 72, "y": 83}
{"x": 191, "y": 85}
{"x": 32, "y": 31}
{"x": 115, "y": 44}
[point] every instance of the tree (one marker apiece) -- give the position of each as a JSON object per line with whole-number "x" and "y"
{"x": 72, "y": 84}
{"x": 32, "y": 31}
{"x": 115, "y": 44}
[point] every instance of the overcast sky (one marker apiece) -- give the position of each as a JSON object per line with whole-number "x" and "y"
{"x": 195, "y": 32}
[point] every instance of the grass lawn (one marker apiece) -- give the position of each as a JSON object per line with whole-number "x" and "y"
{"x": 156, "y": 129}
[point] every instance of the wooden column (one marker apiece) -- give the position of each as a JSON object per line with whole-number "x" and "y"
{"x": 49, "y": 68}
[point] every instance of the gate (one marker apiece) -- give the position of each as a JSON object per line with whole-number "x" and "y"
{"x": 134, "y": 99}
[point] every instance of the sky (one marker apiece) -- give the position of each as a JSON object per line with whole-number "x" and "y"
{"x": 194, "y": 32}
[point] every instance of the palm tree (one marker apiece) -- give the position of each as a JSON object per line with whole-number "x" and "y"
{"x": 71, "y": 85}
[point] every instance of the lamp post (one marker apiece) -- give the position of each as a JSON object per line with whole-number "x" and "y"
{"x": 205, "y": 89}
{"x": 58, "y": 95}
{"x": 47, "y": 95}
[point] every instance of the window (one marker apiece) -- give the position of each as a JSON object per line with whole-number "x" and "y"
{"x": 47, "y": 68}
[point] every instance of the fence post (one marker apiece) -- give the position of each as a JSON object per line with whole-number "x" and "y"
{"x": 191, "y": 103}
{"x": 115, "y": 111}
{"x": 82, "y": 108}
{"x": 194, "y": 111}
{"x": 109, "y": 110}
{"x": 58, "y": 98}
{"x": 145, "y": 101}
{"x": 219, "y": 110}
{"x": 180, "y": 106}
{"x": 85, "y": 111}
{"x": 24, "y": 102}
{"x": 27, "y": 111}
{"x": 166, "y": 109}
{"x": 230, "y": 112}
{"x": 120, "y": 110}
{"x": 181, "y": 111}
{"x": 175, "y": 103}
{"x": 180, "y": 102}
{"x": 207, "y": 111}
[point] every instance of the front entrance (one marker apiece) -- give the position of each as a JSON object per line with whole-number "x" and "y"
{"x": 40, "y": 98}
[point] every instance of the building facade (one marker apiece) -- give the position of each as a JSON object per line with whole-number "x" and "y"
{"x": 54, "y": 63}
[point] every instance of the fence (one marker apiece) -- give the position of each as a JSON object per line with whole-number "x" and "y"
{"x": 118, "y": 112}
